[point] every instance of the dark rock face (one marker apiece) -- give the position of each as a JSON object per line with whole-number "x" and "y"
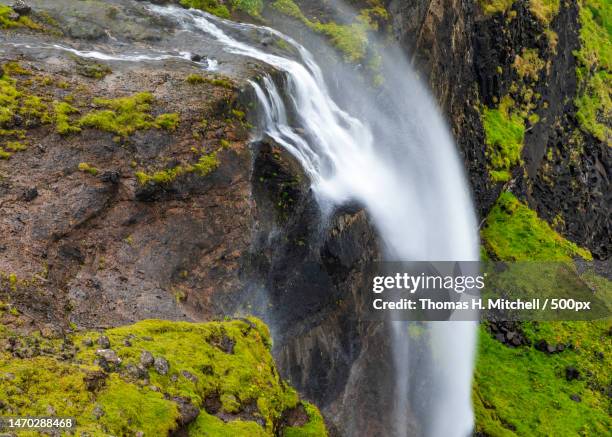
{"x": 467, "y": 57}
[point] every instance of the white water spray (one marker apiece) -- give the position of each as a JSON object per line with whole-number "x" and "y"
{"x": 404, "y": 169}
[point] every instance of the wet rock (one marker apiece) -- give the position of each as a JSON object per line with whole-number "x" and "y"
{"x": 223, "y": 342}
{"x": 576, "y": 398}
{"x": 196, "y": 58}
{"x": 71, "y": 252}
{"x": 161, "y": 365}
{"x": 188, "y": 412}
{"x": 104, "y": 342}
{"x": 49, "y": 331}
{"x": 212, "y": 404}
{"x": 94, "y": 380}
{"x": 111, "y": 177}
{"x": 571, "y": 373}
{"x": 295, "y": 416}
{"x": 190, "y": 376}
{"x": 21, "y": 7}
{"x": 137, "y": 372}
{"x": 108, "y": 359}
{"x": 29, "y": 194}
{"x": 146, "y": 359}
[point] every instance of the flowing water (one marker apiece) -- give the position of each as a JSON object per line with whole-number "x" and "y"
{"x": 396, "y": 157}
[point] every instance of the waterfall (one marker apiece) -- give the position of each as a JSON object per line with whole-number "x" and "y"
{"x": 398, "y": 159}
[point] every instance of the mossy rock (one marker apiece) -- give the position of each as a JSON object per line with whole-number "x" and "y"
{"x": 211, "y": 379}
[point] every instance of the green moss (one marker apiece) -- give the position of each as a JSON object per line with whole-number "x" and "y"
{"x": 315, "y": 427}
{"x": 162, "y": 177}
{"x": 128, "y": 407}
{"x": 7, "y": 20}
{"x": 92, "y": 70}
{"x": 251, "y": 7}
{"x": 528, "y": 64}
{"x": 63, "y": 125}
{"x": 207, "y": 425}
{"x": 4, "y": 154}
{"x": 42, "y": 382}
{"x": 9, "y": 99}
{"x": 504, "y": 132}
{"x": 205, "y": 165}
{"x": 594, "y": 70}
{"x": 201, "y": 365}
{"x": 491, "y": 7}
{"x": 544, "y": 10}
{"x": 248, "y": 375}
{"x": 350, "y": 39}
{"x": 523, "y": 392}
{"x": 515, "y": 232}
{"x": 222, "y": 82}
{"x": 16, "y": 146}
{"x": 126, "y": 115}
{"x": 168, "y": 122}
{"x": 211, "y": 6}
{"x": 88, "y": 168}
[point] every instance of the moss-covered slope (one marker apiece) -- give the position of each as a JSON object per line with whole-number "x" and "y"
{"x": 156, "y": 377}
{"x": 556, "y": 382}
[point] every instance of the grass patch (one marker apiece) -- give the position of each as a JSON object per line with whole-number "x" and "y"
{"x": 515, "y": 232}
{"x": 594, "y": 69}
{"x": 504, "y": 136}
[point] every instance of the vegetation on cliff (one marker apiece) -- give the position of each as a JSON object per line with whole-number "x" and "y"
{"x": 556, "y": 381}
{"x": 514, "y": 232}
{"x": 10, "y": 19}
{"x": 154, "y": 377}
{"x": 350, "y": 39}
{"x": 594, "y": 69}
{"x": 505, "y": 133}
{"x": 220, "y": 9}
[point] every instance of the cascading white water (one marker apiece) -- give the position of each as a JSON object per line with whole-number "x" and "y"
{"x": 406, "y": 172}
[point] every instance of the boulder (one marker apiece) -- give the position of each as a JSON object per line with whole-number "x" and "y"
{"x": 161, "y": 365}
